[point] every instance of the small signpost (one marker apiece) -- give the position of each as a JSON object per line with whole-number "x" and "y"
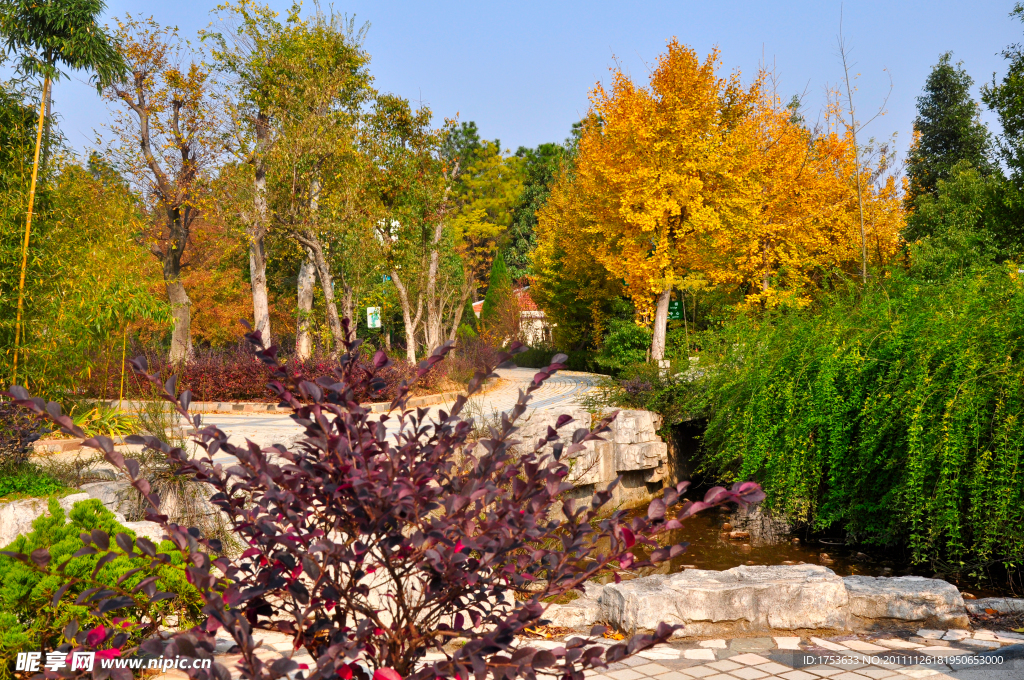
{"x": 373, "y": 317}
{"x": 675, "y": 310}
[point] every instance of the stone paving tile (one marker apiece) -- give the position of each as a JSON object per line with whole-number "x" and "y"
{"x": 651, "y": 669}
{"x": 772, "y": 667}
{"x": 749, "y": 673}
{"x": 624, "y": 674}
{"x": 787, "y": 642}
{"x": 878, "y": 673}
{"x": 673, "y": 675}
{"x": 699, "y": 672}
{"x": 724, "y": 665}
{"x": 749, "y": 659}
{"x": 831, "y": 646}
{"x": 896, "y": 643}
{"x": 751, "y": 644}
{"x": 714, "y": 644}
{"x": 699, "y": 654}
{"x": 797, "y": 675}
{"x": 861, "y": 646}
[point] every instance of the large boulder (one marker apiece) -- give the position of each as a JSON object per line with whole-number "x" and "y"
{"x": 580, "y": 613}
{"x": 738, "y": 600}
{"x": 930, "y": 602}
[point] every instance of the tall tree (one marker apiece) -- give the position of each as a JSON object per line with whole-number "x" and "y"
{"x": 1006, "y": 98}
{"x": 499, "y": 291}
{"x": 411, "y": 180}
{"x": 540, "y": 167}
{"x": 483, "y": 196}
{"x": 46, "y": 36}
{"x": 297, "y": 87}
{"x": 168, "y": 137}
{"x": 698, "y": 180}
{"x": 947, "y": 130}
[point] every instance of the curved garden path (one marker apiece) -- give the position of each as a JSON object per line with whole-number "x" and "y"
{"x": 563, "y": 389}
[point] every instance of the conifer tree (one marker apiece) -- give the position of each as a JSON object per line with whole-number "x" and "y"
{"x": 947, "y": 130}
{"x": 498, "y": 291}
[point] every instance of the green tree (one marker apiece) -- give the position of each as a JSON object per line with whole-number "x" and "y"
{"x": 540, "y": 166}
{"x": 948, "y": 129}
{"x": 408, "y": 182}
{"x": 485, "y": 193}
{"x": 499, "y": 292}
{"x": 46, "y": 35}
{"x": 960, "y": 225}
{"x": 1006, "y": 98}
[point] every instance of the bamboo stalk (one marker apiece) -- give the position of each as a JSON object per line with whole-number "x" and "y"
{"x": 28, "y": 228}
{"x": 124, "y": 345}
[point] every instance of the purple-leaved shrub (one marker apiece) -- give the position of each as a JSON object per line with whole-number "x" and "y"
{"x": 375, "y": 540}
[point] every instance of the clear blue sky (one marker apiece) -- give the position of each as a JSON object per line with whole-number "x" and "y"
{"x": 522, "y": 70}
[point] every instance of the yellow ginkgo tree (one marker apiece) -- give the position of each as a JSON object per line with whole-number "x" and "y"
{"x": 697, "y": 177}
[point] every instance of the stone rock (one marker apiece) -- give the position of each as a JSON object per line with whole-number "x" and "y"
{"x": 1002, "y": 605}
{"x": 641, "y": 456}
{"x": 932, "y": 602}
{"x": 150, "y": 530}
{"x": 16, "y": 517}
{"x": 732, "y": 601}
{"x": 580, "y": 613}
{"x": 109, "y": 493}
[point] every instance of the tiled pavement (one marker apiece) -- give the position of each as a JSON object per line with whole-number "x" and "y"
{"x": 564, "y": 388}
{"x": 896, "y": 655}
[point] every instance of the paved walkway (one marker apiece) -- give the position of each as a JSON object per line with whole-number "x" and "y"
{"x": 893, "y": 655}
{"x": 563, "y": 389}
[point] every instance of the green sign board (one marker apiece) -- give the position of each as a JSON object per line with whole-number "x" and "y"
{"x": 675, "y": 310}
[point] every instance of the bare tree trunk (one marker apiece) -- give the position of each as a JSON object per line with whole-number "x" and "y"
{"x": 661, "y": 324}
{"x": 411, "y": 322}
{"x": 258, "y": 278}
{"x": 432, "y": 332}
{"x": 348, "y": 308}
{"x": 310, "y": 240}
{"x": 434, "y": 329}
{"x": 181, "y": 336}
{"x": 257, "y": 234}
{"x": 307, "y": 281}
{"x": 457, "y": 320}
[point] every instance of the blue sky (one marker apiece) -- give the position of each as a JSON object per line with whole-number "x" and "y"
{"x": 522, "y": 70}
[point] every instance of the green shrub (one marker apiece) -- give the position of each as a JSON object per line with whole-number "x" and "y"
{"x": 28, "y": 622}
{"x": 626, "y": 344}
{"x": 896, "y": 413}
{"x": 28, "y": 481}
{"x": 540, "y": 357}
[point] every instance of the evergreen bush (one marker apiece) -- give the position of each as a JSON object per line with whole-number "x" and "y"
{"x": 29, "y": 617}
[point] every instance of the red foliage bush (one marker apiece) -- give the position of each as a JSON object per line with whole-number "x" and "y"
{"x": 238, "y": 375}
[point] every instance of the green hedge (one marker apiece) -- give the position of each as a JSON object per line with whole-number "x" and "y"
{"x": 897, "y": 414}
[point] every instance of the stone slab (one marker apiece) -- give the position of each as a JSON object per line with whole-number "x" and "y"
{"x": 742, "y": 599}
{"x": 928, "y": 601}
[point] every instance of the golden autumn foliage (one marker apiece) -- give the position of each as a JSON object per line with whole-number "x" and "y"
{"x": 697, "y": 178}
